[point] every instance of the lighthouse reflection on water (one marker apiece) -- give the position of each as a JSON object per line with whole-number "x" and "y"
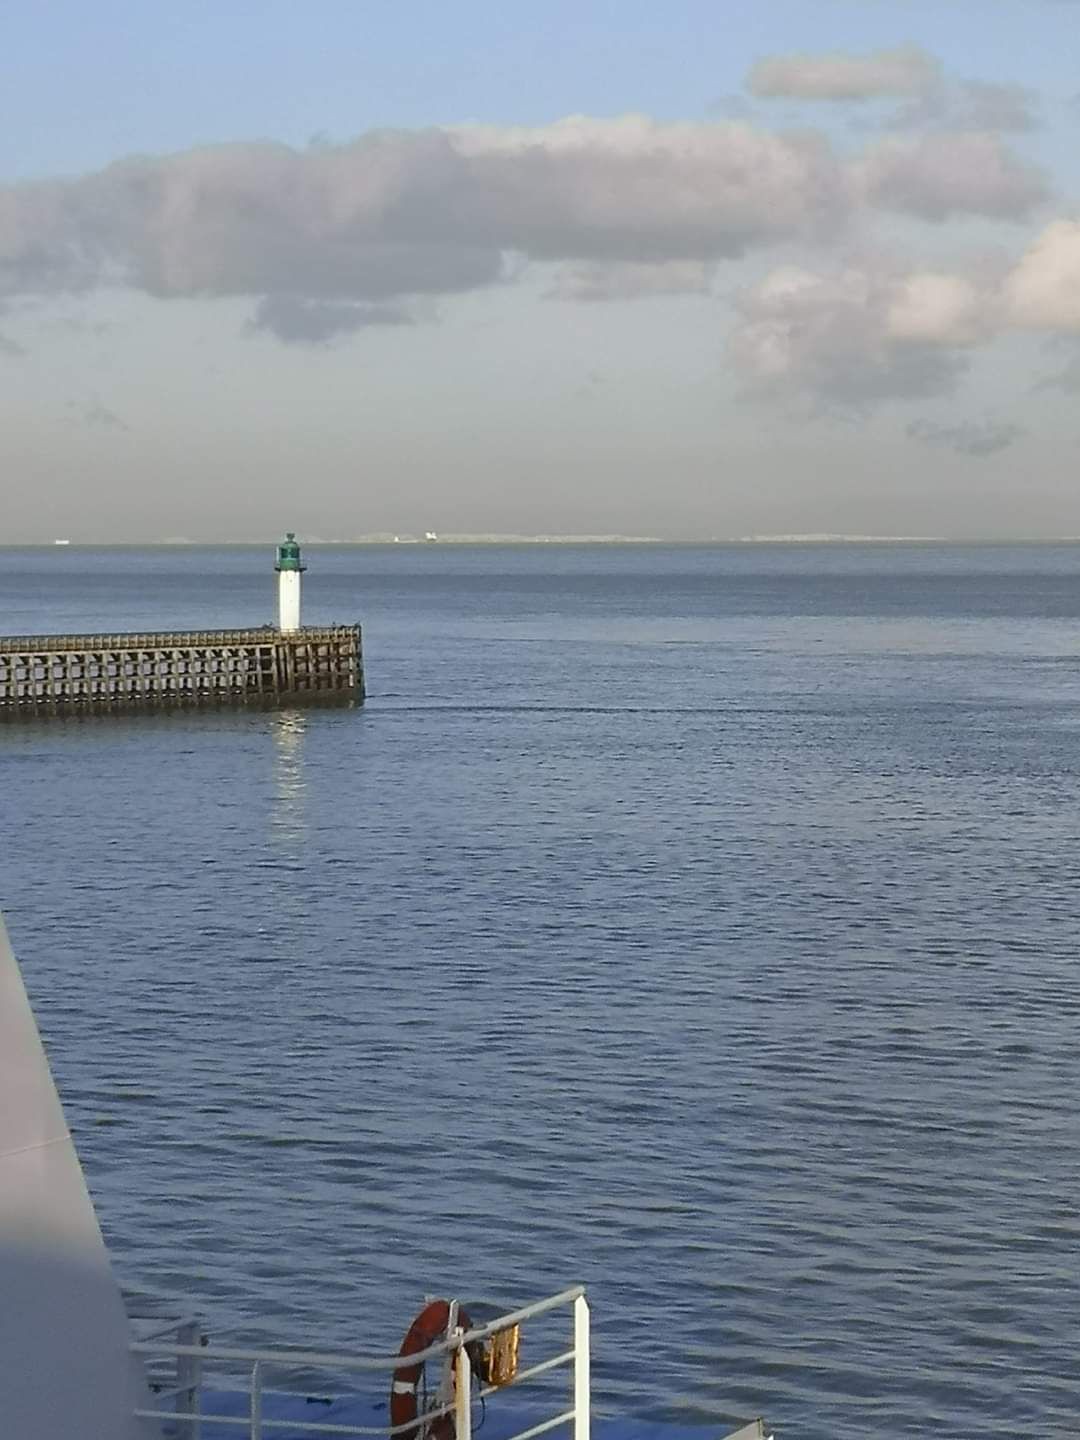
{"x": 289, "y": 814}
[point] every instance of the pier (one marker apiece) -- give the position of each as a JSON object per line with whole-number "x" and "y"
{"x": 287, "y": 665}
{"x": 81, "y": 673}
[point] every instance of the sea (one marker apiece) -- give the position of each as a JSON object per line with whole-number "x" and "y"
{"x": 699, "y": 923}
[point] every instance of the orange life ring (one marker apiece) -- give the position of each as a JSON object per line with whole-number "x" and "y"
{"x": 428, "y": 1328}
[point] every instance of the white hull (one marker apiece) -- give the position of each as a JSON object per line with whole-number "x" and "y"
{"x": 64, "y": 1335}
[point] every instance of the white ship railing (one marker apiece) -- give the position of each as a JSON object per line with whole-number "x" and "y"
{"x": 178, "y": 1357}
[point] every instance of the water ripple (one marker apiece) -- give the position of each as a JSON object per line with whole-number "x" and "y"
{"x": 709, "y": 938}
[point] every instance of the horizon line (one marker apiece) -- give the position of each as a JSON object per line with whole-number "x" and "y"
{"x": 381, "y": 540}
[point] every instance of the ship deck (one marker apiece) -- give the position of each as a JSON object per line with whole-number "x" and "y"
{"x": 226, "y": 1414}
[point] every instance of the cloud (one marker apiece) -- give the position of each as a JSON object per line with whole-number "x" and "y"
{"x": 968, "y": 105}
{"x": 938, "y": 176}
{"x": 1068, "y": 377}
{"x": 854, "y": 337}
{"x": 332, "y": 238}
{"x": 317, "y": 322}
{"x": 1043, "y": 290}
{"x": 937, "y": 308}
{"x": 874, "y": 330}
{"x": 94, "y": 415}
{"x": 239, "y": 220}
{"x": 399, "y": 213}
{"x": 627, "y": 280}
{"x": 634, "y": 189}
{"x": 101, "y": 416}
{"x": 982, "y": 105}
{"x": 977, "y": 438}
{"x": 733, "y": 107}
{"x": 9, "y": 347}
{"x": 841, "y": 77}
{"x": 907, "y": 73}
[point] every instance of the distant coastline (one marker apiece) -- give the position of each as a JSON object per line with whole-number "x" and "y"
{"x": 445, "y": 540}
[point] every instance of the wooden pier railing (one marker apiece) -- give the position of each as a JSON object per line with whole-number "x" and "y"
{"x": 69, "y": 674}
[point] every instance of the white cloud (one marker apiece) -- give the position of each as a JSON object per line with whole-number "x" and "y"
{"x": 873, "y": 331}
{"x": 335, "y": 238}
{"x": 838, "y": 76}
{"x": 852, "y": 337}
{"x": 1043, "y": 291}
{"x": 936, "y": 308}
{"x": 404, "y": 213}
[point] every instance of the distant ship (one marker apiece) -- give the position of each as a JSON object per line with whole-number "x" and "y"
{"x": 61, "y": 542}
{"x": 430, "y": 535}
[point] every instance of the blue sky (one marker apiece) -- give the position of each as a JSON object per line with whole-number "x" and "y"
{"x": 692, "y": 324}
{"x": 85, "y": 83}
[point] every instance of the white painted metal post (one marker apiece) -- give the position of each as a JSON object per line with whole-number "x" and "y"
{"x": 581, "y": 1368}
{"x": 189, "y": 1377}
{"x": 463, "y": 1394}
{"x": 256, "y": 1401}
{"x": 448, "y": 1373}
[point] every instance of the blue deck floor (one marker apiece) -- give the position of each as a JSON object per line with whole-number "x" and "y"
{"x": 499, "y": 1421}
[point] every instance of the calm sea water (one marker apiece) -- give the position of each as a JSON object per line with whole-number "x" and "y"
{"x": 697, "y": 923}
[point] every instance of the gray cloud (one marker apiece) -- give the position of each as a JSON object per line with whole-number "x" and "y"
{"x": 9, "y": 347}
{"x": 733, "y": 107}
{"x": 238, "y": 220}
{"x": 981, "y": 105}
{"x": 632, "y": 189}
{"x": 316, "y": 322}
{"x": 842, "y": 77}
{"x": 424, "y": 212}
{"x": 968, "y": 105}
{"x": 100, "y": 415}
{"x": 858, "y": 336}
{"x": 977, "y": 438}
{"x": 95, "y": 415}
{"x": 627, "y": 280}
{"x": 325, "y": 239}
{"x": 874, "y": 331}
{"x": 907, "y": 73}
{"x": 935, "y": 177}
{"x": 1068, "y": 377}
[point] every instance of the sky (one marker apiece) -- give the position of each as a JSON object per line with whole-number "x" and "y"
{"x": 687, "y": 271}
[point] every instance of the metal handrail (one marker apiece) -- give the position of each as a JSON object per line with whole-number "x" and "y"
{"x": 457, "y": 1344}
{"x": 446, "y": 1346}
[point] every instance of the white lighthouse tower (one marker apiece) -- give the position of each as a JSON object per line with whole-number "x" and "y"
{"x": 289, "y": 569}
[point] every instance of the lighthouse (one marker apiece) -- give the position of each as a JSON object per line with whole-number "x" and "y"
{"x": 289, "y": 569}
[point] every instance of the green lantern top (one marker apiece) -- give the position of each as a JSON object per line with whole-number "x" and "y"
{"x": 288, "y": 554}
